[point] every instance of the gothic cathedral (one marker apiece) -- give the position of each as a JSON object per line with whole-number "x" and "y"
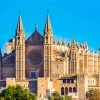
{"x": 44, "y": 65}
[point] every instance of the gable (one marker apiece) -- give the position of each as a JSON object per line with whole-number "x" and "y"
{"x": 35, "y": 39}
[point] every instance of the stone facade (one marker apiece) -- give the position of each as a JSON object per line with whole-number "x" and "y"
{"x": 43, "y": 64}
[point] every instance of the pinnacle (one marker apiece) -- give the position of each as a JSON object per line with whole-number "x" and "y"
{"x": 19, "y": 25}
{"x": 48, "y": 24}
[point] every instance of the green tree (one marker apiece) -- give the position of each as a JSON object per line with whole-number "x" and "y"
{"x": 17, "y": 93}
{"x": 67, "y": 97}
{"x": 55, "y": 96}
{"x": 93, "y": 94}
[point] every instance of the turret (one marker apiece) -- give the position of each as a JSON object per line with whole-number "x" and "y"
{"x": 85, "y": 45}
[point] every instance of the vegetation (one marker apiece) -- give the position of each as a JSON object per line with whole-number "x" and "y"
{"x": 16, "y": 93}
{"x": 93, "y": 94}
{"x": 67, "y": 98}
{"x": 57, "y": 96}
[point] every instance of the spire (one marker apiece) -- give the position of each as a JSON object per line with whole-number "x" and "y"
{"x": 48, "y": 27}
{"x": 73, "y": 45}
{"x": 54, "y": 41}
{"x": 69, "y": 43}
{"x": 81, "y": 44}
{"x": 58, "y": 43}
{"x": 63, "y": 42}
{"x": 77, "y": 45}
{"x": 73, "y": 39}
{"x": 85, "y": 43}
{"x": 73, "y": 42}
{"x": 19, "y": 25}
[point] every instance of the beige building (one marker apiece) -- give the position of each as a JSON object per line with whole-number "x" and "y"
{"x": 44, "y": 65}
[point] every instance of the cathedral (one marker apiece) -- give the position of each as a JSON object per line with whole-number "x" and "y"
{"x": 44, "y": 65}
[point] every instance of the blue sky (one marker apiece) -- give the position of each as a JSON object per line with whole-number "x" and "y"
{"x": 69, "y": 18}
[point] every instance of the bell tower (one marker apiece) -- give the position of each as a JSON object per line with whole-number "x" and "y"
{"x": 20, "y": 51}
{"x": 48, "y": 41}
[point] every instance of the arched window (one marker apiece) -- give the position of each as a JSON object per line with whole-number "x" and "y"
{"x": 66, "y": 91}
{"x": 70, "y": 90}
{"x": 62, "y": 91}
{"x": 74, "y": 89}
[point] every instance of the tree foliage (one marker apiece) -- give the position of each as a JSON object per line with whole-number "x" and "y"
{"x": 67, "y": 97}
{"x": 16, "y": 93}
{"x": 93, "y": 94}
{"x": 57, "y": 96}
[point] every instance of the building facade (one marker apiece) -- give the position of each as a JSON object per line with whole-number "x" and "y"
{"x": 44, "y": 65}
